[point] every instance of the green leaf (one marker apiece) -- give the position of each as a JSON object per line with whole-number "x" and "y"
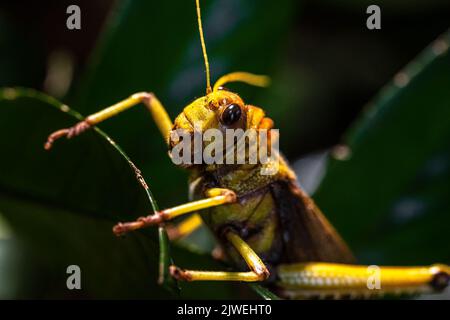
{"x": 263, "y": 292}
{"x": 387, "y": 189}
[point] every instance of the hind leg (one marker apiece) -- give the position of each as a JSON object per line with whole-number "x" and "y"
{"x": 306, "y": 280}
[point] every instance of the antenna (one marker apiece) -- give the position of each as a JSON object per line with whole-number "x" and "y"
{"x": 202, "y": 40}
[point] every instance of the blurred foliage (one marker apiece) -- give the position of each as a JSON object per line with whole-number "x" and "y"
{"x": 17, "y": 65}
{"x": 399, "y": 5}
{"x": 389, "y": 195}
{"x": 389, "y": 199}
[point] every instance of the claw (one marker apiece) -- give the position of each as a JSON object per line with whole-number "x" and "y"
{"x": 54, "y": 136}
{"x": 179, "y": 274}
{"x": 69, "y": 133}
{"x": 142, "y": 222}
{"x": 119, "y": 229}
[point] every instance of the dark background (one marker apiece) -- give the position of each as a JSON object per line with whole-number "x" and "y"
{"x": 390, "y": 200}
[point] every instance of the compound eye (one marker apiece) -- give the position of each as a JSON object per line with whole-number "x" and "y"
{"x": 231, "y": 114}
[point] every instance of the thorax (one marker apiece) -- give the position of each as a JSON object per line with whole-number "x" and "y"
{"x": 254, "y": 216}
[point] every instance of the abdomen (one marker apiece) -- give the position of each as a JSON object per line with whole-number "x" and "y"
{"x": 255, "y": 218}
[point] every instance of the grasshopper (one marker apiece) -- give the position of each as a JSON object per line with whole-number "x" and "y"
{"x": 267, "y": 227}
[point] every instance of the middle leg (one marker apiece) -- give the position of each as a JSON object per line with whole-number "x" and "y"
{"x": 304, "y": 280}
{"x": 184, "y": 228}
{"x": 215, "y": 197}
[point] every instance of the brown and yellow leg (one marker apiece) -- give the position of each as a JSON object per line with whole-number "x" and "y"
{"x": 155, "y": 107}
{"x": 187, "y": 227}
{"x": 184, "y": 228}
{"x": 259, "y": 271}
{"x": 215, "y": 197}
{"x": 305, "y": 280}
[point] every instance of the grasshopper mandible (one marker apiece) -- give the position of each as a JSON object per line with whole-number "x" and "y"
{"x": 268, "y": 228}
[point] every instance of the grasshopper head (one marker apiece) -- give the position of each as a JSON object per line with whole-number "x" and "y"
{"x": 222, "y": 109}
{"x": 219, "y": 110}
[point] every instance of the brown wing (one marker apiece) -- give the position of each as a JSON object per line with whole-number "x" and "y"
{"x": 307, "y": 234}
